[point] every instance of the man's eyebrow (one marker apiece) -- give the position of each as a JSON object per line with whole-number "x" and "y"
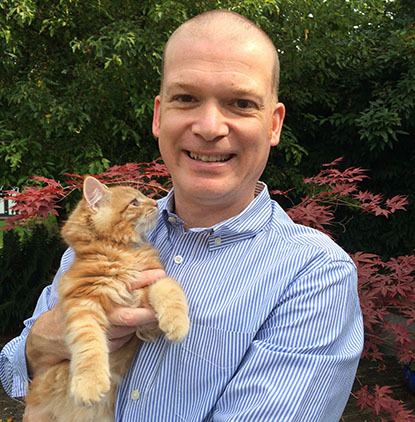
{"x": 179, "y": 85}
{"x": 249, "y": 92}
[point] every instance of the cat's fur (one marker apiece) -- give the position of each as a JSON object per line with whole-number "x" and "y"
{"x": 107, "y": 232}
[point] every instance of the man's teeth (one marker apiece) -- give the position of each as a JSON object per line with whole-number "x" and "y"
{"x": 210, "y": 158}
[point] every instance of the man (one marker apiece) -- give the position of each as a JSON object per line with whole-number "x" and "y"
{"x": 276, "y": 330}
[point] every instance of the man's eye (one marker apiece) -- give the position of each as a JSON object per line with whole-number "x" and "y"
{"x": 184, "y": 98}
{"x": 245, "y": 104}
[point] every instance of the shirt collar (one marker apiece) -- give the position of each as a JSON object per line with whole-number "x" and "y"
{"x": 244, "y": 225}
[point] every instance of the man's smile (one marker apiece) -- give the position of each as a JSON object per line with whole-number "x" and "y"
{"x": 209, "y": 158}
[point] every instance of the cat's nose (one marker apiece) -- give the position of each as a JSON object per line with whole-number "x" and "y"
{"x": 156, "y": 205}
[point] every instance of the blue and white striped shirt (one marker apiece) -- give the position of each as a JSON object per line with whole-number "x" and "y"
{"x": 276, "y": 329}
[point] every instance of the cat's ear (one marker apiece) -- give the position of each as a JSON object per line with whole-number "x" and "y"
{"x": 94, "y": 191}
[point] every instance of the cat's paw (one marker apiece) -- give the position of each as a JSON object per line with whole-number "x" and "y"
{"x": 87, "y": 391}
{"x": 175, "y": 325}
{"x": 169, "y": 302}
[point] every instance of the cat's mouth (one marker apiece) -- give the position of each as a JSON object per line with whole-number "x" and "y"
{"x": 212, "y": 158}
{"x": 147, "y": 222}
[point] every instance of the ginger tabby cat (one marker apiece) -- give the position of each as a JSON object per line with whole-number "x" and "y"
{"x": 107, "y": 232}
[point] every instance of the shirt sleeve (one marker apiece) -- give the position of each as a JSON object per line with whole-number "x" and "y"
{"x": 13, "y": 367}
{"x": 302, "y": 363}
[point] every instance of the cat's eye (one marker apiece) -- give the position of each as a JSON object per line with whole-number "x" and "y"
{"x": 134, "y": 203}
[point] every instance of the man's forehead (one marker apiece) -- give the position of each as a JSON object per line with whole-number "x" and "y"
{"x": 236, "y": 61}
{"x": 213, "y": 47}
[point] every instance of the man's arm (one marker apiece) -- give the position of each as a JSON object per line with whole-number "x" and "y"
{"x": 302, "y": 363}
{"x": 45, "y": 344}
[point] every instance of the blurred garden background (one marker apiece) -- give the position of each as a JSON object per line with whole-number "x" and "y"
{"x": 78, "y": 79}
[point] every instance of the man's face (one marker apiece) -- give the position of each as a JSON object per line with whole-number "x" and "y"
{"x": 216, "y": 119}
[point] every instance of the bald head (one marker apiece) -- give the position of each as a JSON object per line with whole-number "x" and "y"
{"x": 227, "y": 27}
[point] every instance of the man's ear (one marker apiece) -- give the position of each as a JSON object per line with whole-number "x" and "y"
{"x": 94, "y": 192}
{"x": 277, "y": 120}
{"x": 156, "y": 116}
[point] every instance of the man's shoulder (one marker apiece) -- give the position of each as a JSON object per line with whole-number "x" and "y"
{"x": 282, "y": 229}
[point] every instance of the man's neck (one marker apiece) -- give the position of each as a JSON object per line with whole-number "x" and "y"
{"x": 207, "y": 214}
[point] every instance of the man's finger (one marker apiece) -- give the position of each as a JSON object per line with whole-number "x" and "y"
{"x": 147, "y": 277}
{"x": 131, "y": 317}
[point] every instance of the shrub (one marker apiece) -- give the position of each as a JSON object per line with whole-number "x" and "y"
{"x": 27, "y": 264}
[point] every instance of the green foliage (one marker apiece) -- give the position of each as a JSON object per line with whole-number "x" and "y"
{"x": 27, "y": 266}
{"x": 348, "y": 71}
{"x": 77, "y": 84}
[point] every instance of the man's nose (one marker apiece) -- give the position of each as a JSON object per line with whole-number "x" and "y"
{"x": 210, "y": 122}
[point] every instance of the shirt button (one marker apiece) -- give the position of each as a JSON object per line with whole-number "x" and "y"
{"x": 217, "y": 240}
{"x": 178, "y": 259}
{"x": 135, "y": 394}
{"x": 172, "y": 220}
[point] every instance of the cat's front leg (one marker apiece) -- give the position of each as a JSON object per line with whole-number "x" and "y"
{"x": 86, "y": 325}
{"x": 169, "y": 303}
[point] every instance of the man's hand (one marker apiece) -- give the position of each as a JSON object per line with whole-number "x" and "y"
{"x": 46, "y": 345}
{"x": 124, "y": 321}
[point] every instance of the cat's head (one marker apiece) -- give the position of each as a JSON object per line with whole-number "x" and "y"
{"x": 121, "y": 214}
